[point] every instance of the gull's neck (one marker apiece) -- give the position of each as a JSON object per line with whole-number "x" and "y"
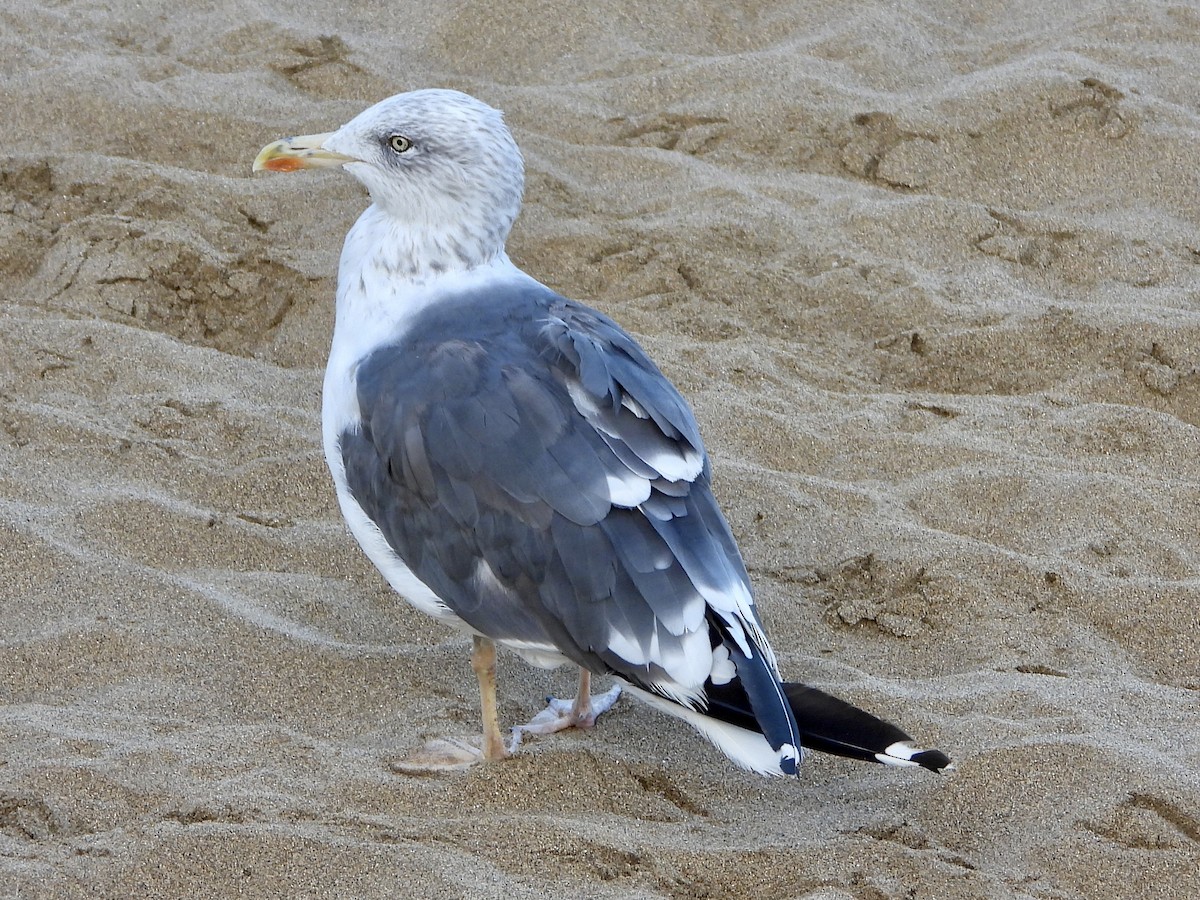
{"x": 418, "y": 251}
{"x": 390, "y": 270}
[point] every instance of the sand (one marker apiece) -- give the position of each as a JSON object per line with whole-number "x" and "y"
{"x": 930, "y": 274}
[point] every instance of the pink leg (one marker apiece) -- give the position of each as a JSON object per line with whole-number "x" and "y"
{"x": 581, "y": 712}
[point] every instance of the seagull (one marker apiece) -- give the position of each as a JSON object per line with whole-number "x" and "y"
{"x": 517, "y": 466}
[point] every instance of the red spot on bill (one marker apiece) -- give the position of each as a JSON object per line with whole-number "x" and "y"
{"x": 284, "y": 164}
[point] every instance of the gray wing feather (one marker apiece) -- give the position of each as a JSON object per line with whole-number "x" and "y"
{"x": 504, "y": 431}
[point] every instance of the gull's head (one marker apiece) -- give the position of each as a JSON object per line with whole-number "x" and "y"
{"x": 437, "y": 161}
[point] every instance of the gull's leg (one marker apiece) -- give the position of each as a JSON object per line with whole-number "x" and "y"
{"x": 581, "y": 709}
{"x": 483, "y": 661}
{"x": 581, "y": 712}
{"x": 455, "y": 754}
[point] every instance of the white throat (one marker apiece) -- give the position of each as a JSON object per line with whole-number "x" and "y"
{"x": 402, "y": 252}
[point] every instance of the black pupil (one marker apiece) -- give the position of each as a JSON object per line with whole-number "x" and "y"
{"x": 399, "y": 143}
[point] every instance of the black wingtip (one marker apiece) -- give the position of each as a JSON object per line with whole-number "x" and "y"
{"x": 832, "y": 726}
{"x": 907, "y": 753}
{"x": 835, "y": 726}
{"x": 934, "y": 761}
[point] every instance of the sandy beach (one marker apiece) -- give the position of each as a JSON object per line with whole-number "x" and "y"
{"x": 929, "y": 273}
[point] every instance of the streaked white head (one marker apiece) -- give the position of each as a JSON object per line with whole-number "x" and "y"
{"x": 439, "y": 163}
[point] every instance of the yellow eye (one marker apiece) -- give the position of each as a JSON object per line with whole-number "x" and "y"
{"x": 399, "y": 143}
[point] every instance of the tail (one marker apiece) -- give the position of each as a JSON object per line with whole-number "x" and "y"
{"x": 830, "y": 725}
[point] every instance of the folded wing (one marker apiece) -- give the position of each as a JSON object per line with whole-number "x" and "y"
{"x": 530, "y": 464}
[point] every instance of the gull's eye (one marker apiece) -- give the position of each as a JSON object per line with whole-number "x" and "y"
{"x": 399, "y": 143}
